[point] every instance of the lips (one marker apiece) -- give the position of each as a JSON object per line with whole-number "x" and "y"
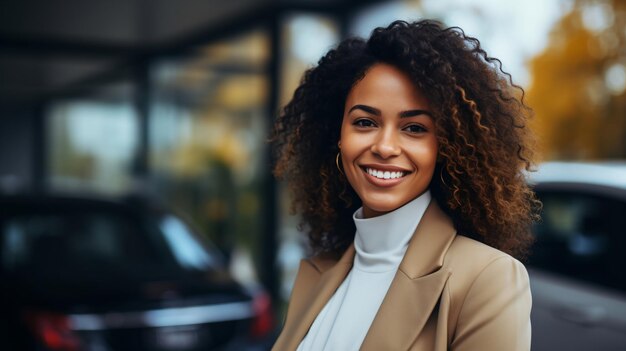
{"x": 384, "y": 176}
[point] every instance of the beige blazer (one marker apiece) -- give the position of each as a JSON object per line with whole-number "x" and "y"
{"x": 449, "y": 293}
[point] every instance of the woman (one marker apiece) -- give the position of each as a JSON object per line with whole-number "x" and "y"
{"x": 404, "y": 154}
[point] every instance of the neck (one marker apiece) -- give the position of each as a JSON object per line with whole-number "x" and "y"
{"x": 369, "y": 212}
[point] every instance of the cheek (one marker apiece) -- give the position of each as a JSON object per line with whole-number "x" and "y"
{"x": 425, "y": 157}
{"x": 349, "y": 156}
{"x": 351, "y": 149}
{"x": 353, "y": 145}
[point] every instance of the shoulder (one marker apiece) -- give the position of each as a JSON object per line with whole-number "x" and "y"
{"x": 489, "y": 298}
{"x": 482, "y": 275}
{"x": 477, "y": 268}
{"x": 469, "y": 255}
{"x": 308, "y": 275}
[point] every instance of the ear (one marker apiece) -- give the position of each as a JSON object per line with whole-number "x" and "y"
{"x": 339, "y": 144}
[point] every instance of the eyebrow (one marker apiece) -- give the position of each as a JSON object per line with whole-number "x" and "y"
{"x": 376, "y": 112}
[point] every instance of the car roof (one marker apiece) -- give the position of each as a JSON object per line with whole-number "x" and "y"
{"x": 86, "y": 201}
{"x": 610, "y": 174}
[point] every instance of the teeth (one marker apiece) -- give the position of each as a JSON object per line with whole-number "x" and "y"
{"x": 384, "y": 174}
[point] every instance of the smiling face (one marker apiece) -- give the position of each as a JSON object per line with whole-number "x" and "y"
{"x": 388, "y": 142}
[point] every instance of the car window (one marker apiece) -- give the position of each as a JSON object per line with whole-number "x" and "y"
{"x": 74, "y": 243}
{"x": 55, "y": 241}
{"x": 582, "y": 236}
{"x": 188, "y": 251}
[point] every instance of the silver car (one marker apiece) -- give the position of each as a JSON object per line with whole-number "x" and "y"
{"x": 577, "y": 266}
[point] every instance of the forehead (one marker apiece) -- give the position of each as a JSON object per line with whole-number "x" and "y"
{"x": 385, "y": 85}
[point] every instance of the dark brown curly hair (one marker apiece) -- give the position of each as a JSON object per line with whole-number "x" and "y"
{"x": 481, "y": 126}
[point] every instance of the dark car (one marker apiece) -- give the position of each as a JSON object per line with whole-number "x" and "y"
{"x": 87, "y": 274}
{"x": 578, "y": 263}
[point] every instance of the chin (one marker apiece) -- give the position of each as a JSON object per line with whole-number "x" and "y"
{"x": 384, "y": 206}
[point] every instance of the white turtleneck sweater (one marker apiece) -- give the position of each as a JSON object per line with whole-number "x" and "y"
{"x": 380, "y": 243}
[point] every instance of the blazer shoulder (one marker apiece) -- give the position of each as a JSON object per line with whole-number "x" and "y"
{"x": 467, "y": 252}
{"x": 467, "y": 259}
{"x": 489, "y": 298}
{"x": 481, "y": 268}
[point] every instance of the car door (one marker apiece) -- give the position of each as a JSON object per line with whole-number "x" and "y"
{"x": 578, "y": 269}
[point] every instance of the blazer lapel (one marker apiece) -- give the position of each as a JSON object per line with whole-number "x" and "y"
{"x": 318, "y": 295}
{"x": 416, "y": 287}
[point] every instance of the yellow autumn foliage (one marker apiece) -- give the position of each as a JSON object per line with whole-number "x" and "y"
{"x": 579, "y": 106}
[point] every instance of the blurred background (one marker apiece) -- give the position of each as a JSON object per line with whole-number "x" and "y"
{"x": 154, "y": 115}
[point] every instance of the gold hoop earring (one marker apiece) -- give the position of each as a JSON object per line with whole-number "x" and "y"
{"x": 441, "y": 177}
{"x": 337, "y": 162}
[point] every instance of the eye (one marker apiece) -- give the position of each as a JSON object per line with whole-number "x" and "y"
{"x": 415, "y": 128}
{"x": 364, "y": 123}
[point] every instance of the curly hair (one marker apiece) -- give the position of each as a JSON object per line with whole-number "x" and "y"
{"x": 481, "y": 126}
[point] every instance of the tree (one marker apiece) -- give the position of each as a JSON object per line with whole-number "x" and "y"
{"x": 579, "y": 83}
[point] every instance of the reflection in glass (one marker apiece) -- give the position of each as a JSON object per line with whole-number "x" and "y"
{"x": 208, "y": 131}
{"x": 92, "y": 145}
{"x": 305, "y": 38}
{"x": 187, "y": 249}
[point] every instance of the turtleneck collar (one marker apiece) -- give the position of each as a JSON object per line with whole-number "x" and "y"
{"x": 381, "y": 241}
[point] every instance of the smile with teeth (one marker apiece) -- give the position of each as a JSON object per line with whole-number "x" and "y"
{"x": 384, "y": 174}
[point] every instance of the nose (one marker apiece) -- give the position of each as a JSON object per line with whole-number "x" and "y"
{"x": 387, "y": 144}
